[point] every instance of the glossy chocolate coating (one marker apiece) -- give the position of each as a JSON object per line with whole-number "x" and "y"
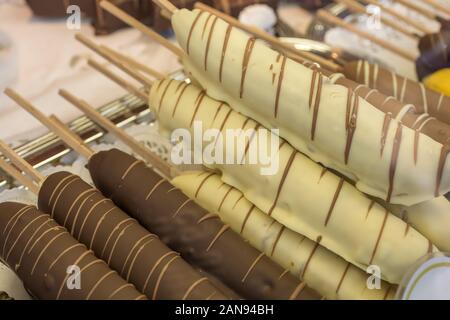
{"x": 137, "y": 255}
{"x": 201, "y": 238}
{"x": 40, "y": 251}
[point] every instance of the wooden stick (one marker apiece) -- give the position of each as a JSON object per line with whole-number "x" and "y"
{"x": 62, "y": 125}
{"x": 327, "y": 64}
{"x": 329, "y": 18}
{"x": 356, "y": 7}
{"x": 438, "y": 6}
{"x": 166, "y": 5}
{"x": 137, "y": 147}
{"x": 114, "y": 60}
{"x": 399, "y": 16}
{"x": 17, "y": 175}
{"x": 62, "y": 134}
{"x": 425, "y": 12}
{"x": 123, "y": 16}
{"x": 20, "y": 163}
{"x": 133, "y": 63}
{"x": 120, "y": 81}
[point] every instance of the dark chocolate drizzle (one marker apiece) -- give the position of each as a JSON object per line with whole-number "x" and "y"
{"x": 224, "y": 50}
{"x": 279, "y": 85}
{"x": 188, "y": 42}
{"x": 333, "y": 202}
{"x": 245, "y": 61}
{"x": 394, "y": 158}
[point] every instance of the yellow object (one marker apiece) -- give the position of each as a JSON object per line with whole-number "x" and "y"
{"x": 439, "y": 81}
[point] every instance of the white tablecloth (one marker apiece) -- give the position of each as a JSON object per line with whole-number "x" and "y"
{"x": 45, "y": 57}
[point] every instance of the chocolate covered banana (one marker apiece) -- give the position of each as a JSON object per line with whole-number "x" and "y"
{"x": 326, "y": 272}
{"x": 326, "y": 121}
{"x": 51, "y": 263}
{"x": 201, "y": 238}
{"x": 300, "y": 194}
{"x": 137, "y": 255}
{"x": 401, "y": 88}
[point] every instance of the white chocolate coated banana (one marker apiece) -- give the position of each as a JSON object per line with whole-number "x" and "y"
{"x": 300, "y": 195}
{"x": 321, "y": 269}
{"x": 326, "y": 121}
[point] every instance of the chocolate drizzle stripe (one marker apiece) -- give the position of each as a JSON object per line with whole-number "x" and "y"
{"x": 198, "y": 102}
{"x": 61, "y": 191}
{"x": 384, "y": 131}
{"x": 161, "y": 99}
{"x": 129, "y": 169}
{"x": 223, "y": 199}
{"x": 322, "y": 173}
{"x": 372, "y": 202}
{"x": 120, "y": 235}
{"x": 48, "y": 244}
{"x": 283, "y": 179}
{"x": 211, "y": 295}
{"x": 253, "y": 265}
{"x": 247, "y": 215}
{"x": 237, "y": 201}
{"x": 208, "y": 43}
{"x": 112, "y": 233}
{"x": 77, "y": 261}
{"x": 161, "y": 275}
{"x": 181, "y": 207}
{"x": 377, "y": 243}
{"x": 180, "y": 84}
{"x": 316, "y": 245}
{"x": 394, "y": 158}
{"x": 224, "y": 50}
{"x": 285, "y": 272}
{"x": 178, "y": 100}
{"x": 42, "y": 236}
{"x": 77, "y": 245}
{"x": 416, "y": 145}
{"x": 247, "y": 146}
{"x": 311, "y": 88}
{"x": 16, "y": 217}
{"x": 91, "y": 292}
{"x": 136, "y": 244}
{"x": 18, "y": 213}
{"x": 297, "y": 291}
{"x": 351, "y": 122}
{"x": 20, "y": 235}
{"x": 195, "y": 284}
{"x": 441, "y": 98}
{"x": 217, "y": 236}
{"x": 216, "y": 113}
{"x": 77, "y": 214}
{"x": 209, "y": 175}
{"x": 277, "y": 239}
{"x": 316, "y": 107}
{"x": 155, "y": 266}
{"x": 99, "y": 223}
{"x": 137, "y": 255}
{"x": 87, "y": 216}
{"x": 50, "y": 200}
{"x": 430, "y": 247}
{"x": 408, "y": 226}
{"x": 154, "y": 188}
{"x": 191, "y": 30}
{"x": 30, "y": 240}
{"x": 279, "y": 86}
{"x": 128, "y": 285}
{"x": 205, "y": 25}
{"x": 333, "y": 202}
{"x": 172, "y": 189}
{"x": 342, "y": 277}
{"x": 207, "y": 217}
{"x": 245, "y": 61}
{"x": 442, "y": 160}
{"x": 81, "y": 195}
